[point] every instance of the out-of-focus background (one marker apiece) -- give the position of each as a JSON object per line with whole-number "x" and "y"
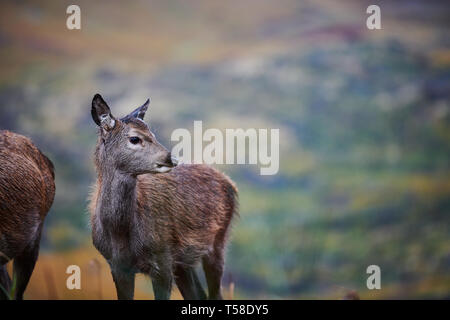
{"x": 364, "y": 119}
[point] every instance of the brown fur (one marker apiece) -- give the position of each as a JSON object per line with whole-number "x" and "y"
{"x": 160, "y": 224}
{"x": 27, "y": 190}
{"x": 186, "y": 208}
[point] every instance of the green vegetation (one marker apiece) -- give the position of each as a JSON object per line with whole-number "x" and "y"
{"x": 364, "y": 124}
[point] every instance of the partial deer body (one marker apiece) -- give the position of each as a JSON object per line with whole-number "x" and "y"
{"x": 151, "y": 216}
{"x": 27, "y": 189}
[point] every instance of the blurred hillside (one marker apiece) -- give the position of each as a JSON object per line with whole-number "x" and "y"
{"x": 363, "y": 116}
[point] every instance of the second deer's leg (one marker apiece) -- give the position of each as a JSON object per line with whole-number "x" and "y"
{"x": 24, "y": 265}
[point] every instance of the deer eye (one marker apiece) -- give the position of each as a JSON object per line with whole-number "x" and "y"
{"x": 135, "y": 140}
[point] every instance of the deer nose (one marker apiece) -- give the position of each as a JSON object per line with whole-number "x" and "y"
{"x": 174, "y": 160}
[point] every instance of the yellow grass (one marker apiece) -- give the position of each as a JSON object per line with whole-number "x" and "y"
{"x": 49, "y": 278}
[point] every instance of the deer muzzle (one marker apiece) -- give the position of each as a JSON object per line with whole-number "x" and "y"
{"x": 167, "y": 164}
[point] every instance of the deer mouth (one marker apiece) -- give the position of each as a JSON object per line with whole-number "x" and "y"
{"x": 167, "y": 165}
{"x": 162, "y": 168}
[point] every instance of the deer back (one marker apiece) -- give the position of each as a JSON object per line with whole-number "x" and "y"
{"x": 26, "y": 179}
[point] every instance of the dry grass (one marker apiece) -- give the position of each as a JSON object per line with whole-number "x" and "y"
{"x": 49, "y": 278}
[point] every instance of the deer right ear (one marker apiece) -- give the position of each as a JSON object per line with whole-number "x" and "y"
{"x": 101, "y": 114}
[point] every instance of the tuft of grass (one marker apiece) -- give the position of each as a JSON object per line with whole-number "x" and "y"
{"x": 12, "y": 292}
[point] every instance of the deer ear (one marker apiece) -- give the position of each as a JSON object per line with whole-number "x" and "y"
{"x": 139, "y": 113}
{"x": 101, "y": 114}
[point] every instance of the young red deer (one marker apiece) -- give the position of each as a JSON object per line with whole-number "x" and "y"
{"x": 151, "y": 216}
{"x": 27, "y": 189}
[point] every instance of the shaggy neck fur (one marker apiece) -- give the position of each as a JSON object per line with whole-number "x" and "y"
{"x": 117, "y": 200}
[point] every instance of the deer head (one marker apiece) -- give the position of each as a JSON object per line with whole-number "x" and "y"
{"x": 127, "y": 144}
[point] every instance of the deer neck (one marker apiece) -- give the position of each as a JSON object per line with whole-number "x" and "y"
{"x": 117, "y": 200}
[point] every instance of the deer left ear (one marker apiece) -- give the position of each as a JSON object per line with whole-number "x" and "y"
{"x": 101, "y": 114}
{"x": 139, "y": 113}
